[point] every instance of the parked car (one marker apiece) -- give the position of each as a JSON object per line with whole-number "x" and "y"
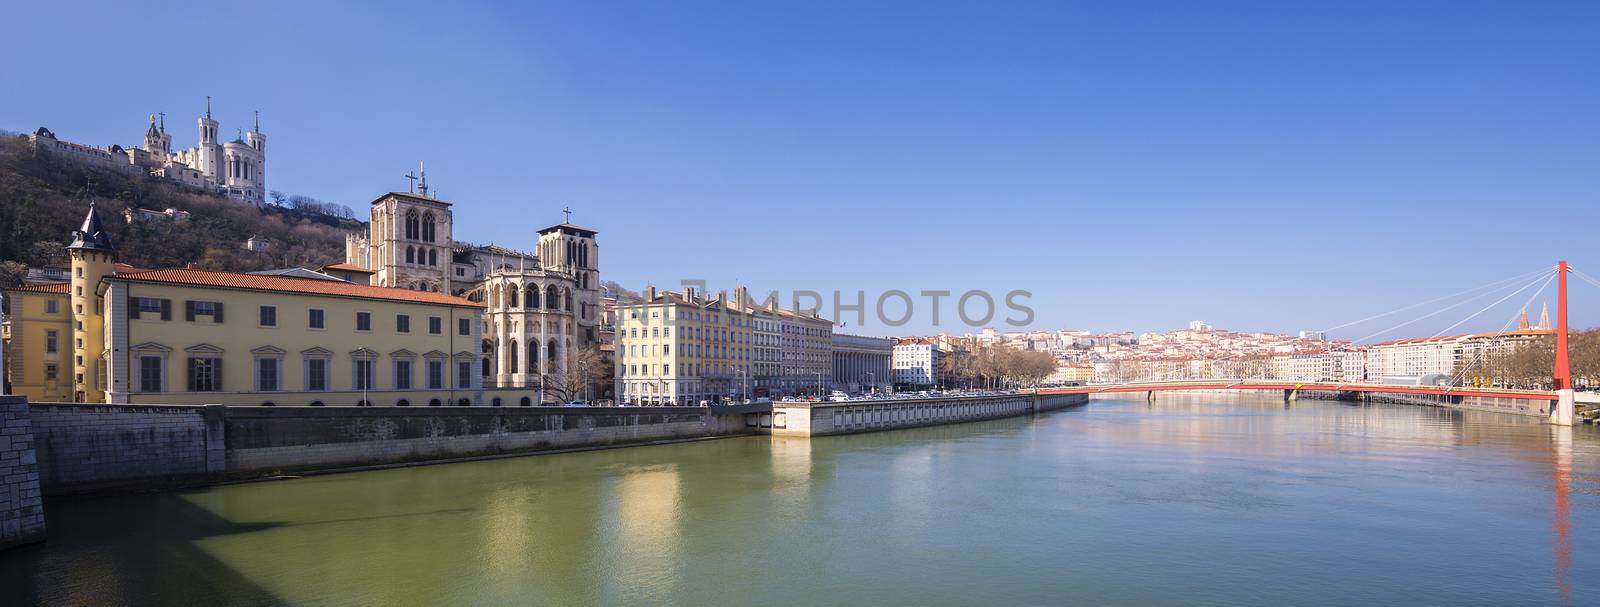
{"x": 576, "y": 403}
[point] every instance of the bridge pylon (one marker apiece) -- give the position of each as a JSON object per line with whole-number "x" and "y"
{"x": 1564, "y": 411}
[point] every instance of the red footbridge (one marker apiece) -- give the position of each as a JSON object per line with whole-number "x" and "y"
{"x": 1292, "y": 387}
{"x": 1561, "y": 394}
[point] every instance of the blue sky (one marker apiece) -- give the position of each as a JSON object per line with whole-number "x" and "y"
{"x": 1134, "y": 165}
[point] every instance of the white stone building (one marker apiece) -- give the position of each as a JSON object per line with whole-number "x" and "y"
{"x": 916, "y": 363}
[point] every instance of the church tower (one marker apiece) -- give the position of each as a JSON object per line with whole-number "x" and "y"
{"x": 92, "y": 258}
{"x": 570, "y": 248}
{"x": 156, "y": 141}
{"x": 209, "y": 153}
{"x": 409, "y": 244}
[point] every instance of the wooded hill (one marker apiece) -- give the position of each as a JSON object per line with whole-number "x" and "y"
{"x": 43, "y": 198}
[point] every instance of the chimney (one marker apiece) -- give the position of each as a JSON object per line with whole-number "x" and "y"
{"x": 688, "y": 293}
{"x": 740, "y": 298}
{"x": 649, "y": 293}
{"x": 191, "y": 266}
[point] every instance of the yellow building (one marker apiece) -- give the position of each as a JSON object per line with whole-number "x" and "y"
{"x": 37, "y": 347}
{"x": 189, "y": 336}
{"x": 682, "y": 348}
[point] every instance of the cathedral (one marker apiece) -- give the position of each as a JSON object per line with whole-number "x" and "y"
{"x": 541, "y": 307}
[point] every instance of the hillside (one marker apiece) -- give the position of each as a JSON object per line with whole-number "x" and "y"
{"x": 43, "y": 198}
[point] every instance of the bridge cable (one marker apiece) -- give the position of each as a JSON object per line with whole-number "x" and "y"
{"x": 1498, "y": 283}
{"x": 1477, "y": 357}
{"x": 1443, "y": 310}
{"x": 1498, "y": 302}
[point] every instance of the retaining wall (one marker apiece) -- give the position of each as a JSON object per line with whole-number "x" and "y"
{"x": 21, "y": 507}
{"x": 86, "y": 447}
{"x": 849, "y": 417}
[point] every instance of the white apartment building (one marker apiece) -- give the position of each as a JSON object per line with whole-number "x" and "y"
{"x": 916, "y": 363}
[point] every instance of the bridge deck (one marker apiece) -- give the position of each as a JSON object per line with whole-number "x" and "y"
{"x": 1314, "y": 386}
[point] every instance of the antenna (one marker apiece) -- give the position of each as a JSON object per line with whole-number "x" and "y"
{"x": 422, "y": 188}
{"x": 208, "y": 107}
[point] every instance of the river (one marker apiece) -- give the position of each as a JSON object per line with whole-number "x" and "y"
{"x": 1194, "y": 500}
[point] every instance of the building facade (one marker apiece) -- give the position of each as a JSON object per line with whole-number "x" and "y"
{"x": 863, "y": 364}
{"x": 683, "y": 348}
{"x": 188, "y": 336}
{"x": 916, "y": 364}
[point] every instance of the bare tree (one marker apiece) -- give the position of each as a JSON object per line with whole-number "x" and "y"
{"x": 585, "y": 368}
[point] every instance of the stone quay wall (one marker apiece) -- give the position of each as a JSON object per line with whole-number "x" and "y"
{"x": 282, "y": 439}
{"x": 21, "y": 504}
{"x": 92, "y": 447}
{"x": 849, "y": 417}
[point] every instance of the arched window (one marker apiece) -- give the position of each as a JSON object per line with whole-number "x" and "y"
{"x": 363, "y": 403}
{"x": 512, "y": 291}
{"x": 513, "y": 348}
{"x": 533, "y": 296}
{"x": 465, "y": 402}
{"x": 269, "y": 404}
{"x": 412, "y": 232}
{"x": 402, "y": 403}
{"x": 495, "y": 402}
{"x": 427, "y": 227}
{"x": 533, "y": 357}
{"x": 525, "y": 402}
{"x": 316, "y": 403}
{"x": 551, "y": 352}
{"x": 550, "y": 298}
{"x": 566, "y": 299}
{"x": 433, "y": 257}
{"x": 435, "y": 403}
{"x": 411, "y": 255}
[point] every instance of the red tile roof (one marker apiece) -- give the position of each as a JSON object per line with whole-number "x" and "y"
{"x": 284, "y": 284}
{"x": 51, "y": 287}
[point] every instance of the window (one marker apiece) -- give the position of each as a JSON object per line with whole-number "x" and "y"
{"x": 315, "y": 318}
{"x": 50, "y": 372}
{"x": 266, "y": 375}
{"x": 51, "y": 306}
{"x": 402, "y": 323}
{"x": 363, "y": 321}
{"x": 464, "y": 326}
{"x": 203, "y": 308}
{"x": 269, "y": 316}
{"x": 51, "y": 341}
{"x": 364, "y": 373}
{"x": 402, "y": 374}
{"x": 150, "y": 373}
{"x": 464, "y": 374}
{"x": 435, "y": 375}
{"x": 205, "y": 374}
{"x": 435, "y": 325}
{"x": 316, "y": 374}
{"x": 155, "y": 308}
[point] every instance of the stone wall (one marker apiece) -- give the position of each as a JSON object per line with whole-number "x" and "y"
{"x": 849, "y": 417}
{"x": 21, "y": 508}
{"x": 264, "y": 440}
{"x": 87, "y": 446}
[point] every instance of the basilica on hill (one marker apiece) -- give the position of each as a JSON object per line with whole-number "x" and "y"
{"x": 236, "y": 169}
